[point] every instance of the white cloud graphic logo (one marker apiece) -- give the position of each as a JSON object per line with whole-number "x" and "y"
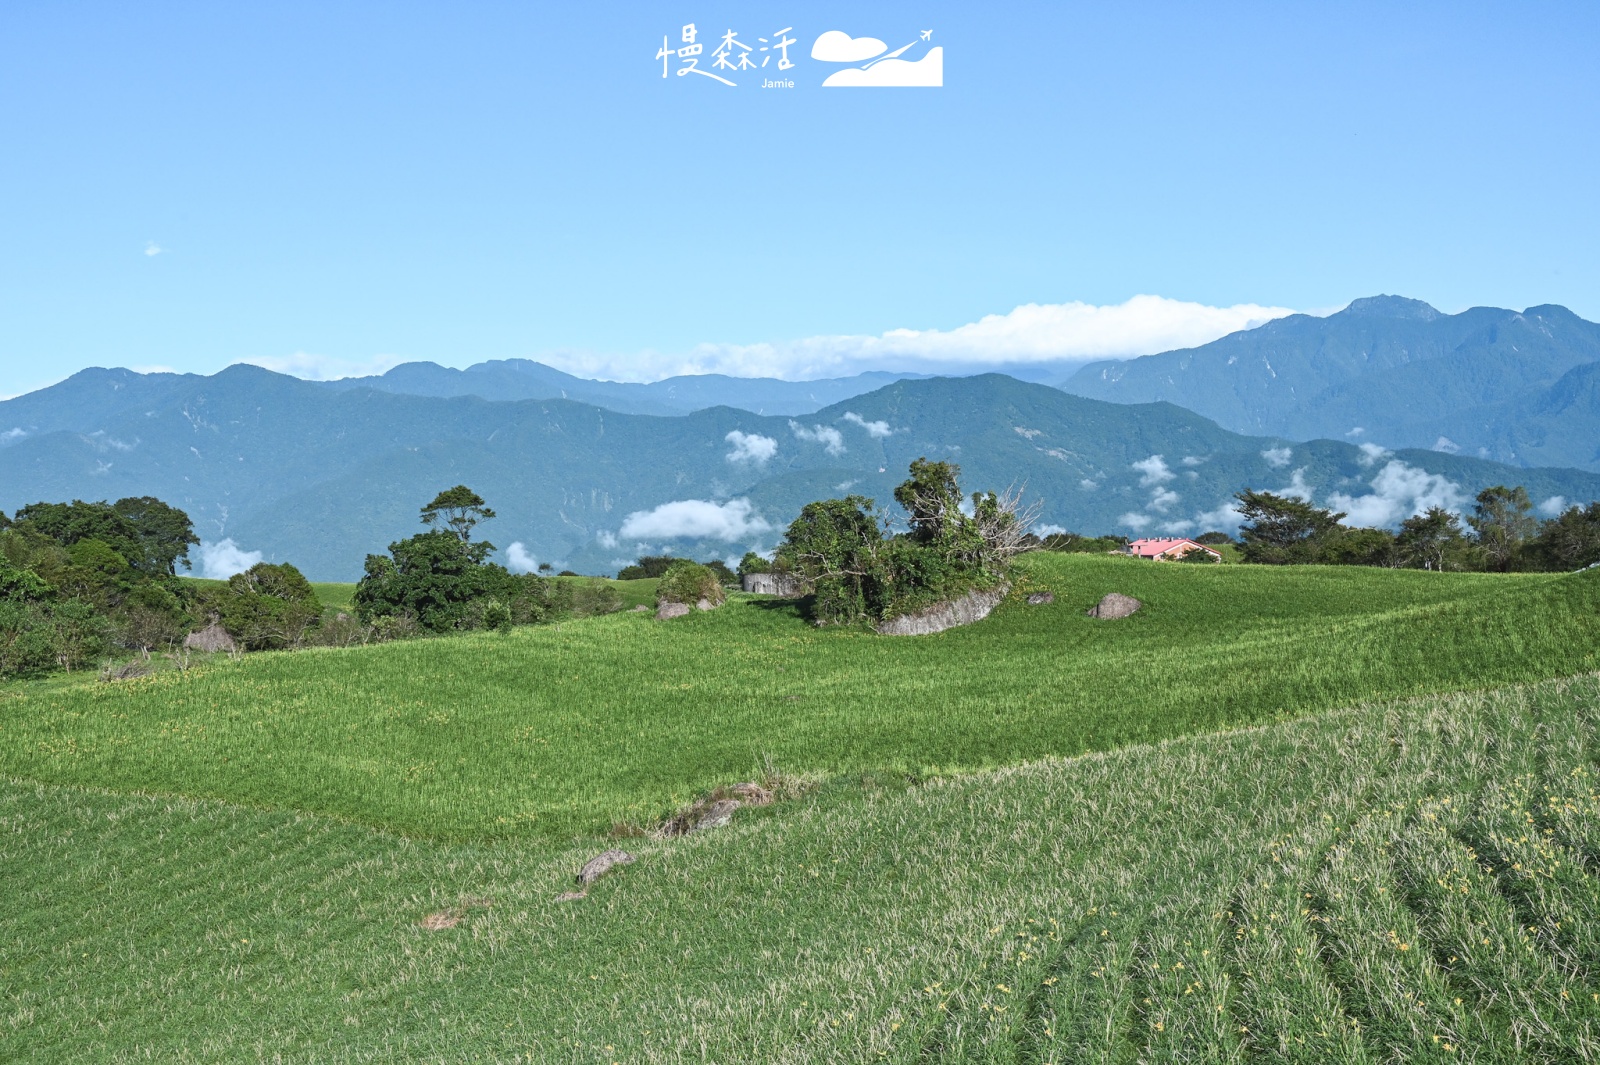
{"x": 927, "y": 73}
{"x": 837, "y": 46}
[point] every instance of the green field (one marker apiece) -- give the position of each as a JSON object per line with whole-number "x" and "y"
{"x": 230, "y": 863}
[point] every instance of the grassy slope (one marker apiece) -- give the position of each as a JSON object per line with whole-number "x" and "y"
{"x": 1300, "y": 892}
{"x": 555, "y": 732}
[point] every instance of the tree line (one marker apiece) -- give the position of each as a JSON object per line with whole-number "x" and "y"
{"x": 1500, "y": 535}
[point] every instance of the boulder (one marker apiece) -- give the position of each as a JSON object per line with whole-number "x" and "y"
{"x": 640, "y": 607}
{"x": 706, "y": 604}
{"x": 210, "y": 639}
{"x": 671, "y": 610}
{"x": 1041, "y": 598}
{"x": 974, "y": 606}
{"x": 783, "y": 584}
{"x": 1114, "y": 605}
{"x": 716, "y": 815}
{"x": 600, "y": 864}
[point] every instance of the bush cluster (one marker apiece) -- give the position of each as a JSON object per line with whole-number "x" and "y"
{"x": 81, "y": 580}
{"x": 860, "y": 572}
{"x": 689, "y": 583}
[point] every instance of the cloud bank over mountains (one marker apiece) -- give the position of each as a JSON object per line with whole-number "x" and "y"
{"x": 1031, "y": 333}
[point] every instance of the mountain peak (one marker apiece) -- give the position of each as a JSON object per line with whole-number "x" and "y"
{"x": 1391, "y": 307}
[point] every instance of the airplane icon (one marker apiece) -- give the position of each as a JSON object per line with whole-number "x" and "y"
{"x": 927, "y": 35}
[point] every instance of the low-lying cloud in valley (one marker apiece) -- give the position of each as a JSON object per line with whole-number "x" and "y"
{"x": 223, "y": 559}
{"x": 695, "y": 519}
{"x": 750, "y": 447}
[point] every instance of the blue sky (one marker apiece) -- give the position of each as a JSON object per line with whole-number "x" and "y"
{"x": 332, "y": 186}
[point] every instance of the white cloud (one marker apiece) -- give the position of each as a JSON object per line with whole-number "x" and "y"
{"x": 1398, "y": 492}
{"x": 1048, "y": 530}
{"x": 826, "y": 435}
{"x": 1088, "y": 485}
{"x": 1033, "y": 332}
{"x": 1297, "y": 487}
{"x": 223, "y": 559}
{"x": 837, "y": 46}
{"x": 877, "y": 429}
{"x": 11, "y": 436}
{"x": 1162, "y": 499}
{"x": 1136, "y": 522}
{"x": 518, "y": 560}
{"x": 152, "y": 249}
{"x": 927, "y": 72}
{"x": 1225, "y": 518}
{"x": 1153, "y": 470}
{"x": 1553, "y": 506}
{"x": 845, "y": 486}
{"x": 750, "y": 447}
{"x": 606, "y": 538}
{"x": 1277, "y": 457}
{"x": 696, "y": 519}
{"x": 324, "y": 367}
{"x": 1191, "y": 460}
{"x": 1447, "y": 445}
{"x": 1357, "y": 431}
{"x": 1373, "y": 453}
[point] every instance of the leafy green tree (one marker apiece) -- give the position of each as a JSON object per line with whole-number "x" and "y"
{"x": 1503, "y": 519}
{"x": 163, "y": 532}
{"x": 459, "y": 509}
{"x": 268, "y": 606}
{"x": 647, "y": 568}
{"x": 25, "y": 639}
{"x": 1569, "y": 541}
{"x": 1361, "y": 547}
{"x": 1278, "y": 530}
{"x": 1213, "y": 539}
{"x": 753, "y": 563}
{"x": 18, "y": 585}
{"x": 1432, "y": 540}
{"x": 834, "y": 545}
{"x": 1196, "y": 555}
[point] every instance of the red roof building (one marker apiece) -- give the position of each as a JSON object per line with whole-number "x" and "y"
{"x": 1167, "y": 548}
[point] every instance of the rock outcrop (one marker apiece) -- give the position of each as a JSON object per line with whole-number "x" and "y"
{"x": 1114, "y": 605}
{"x": 781, "y": 584}
{"x": 671, "y": 610}
{"x": 974, "y": 606}
{"x": 601, "y": 864}
{"x": 210, "y": 639}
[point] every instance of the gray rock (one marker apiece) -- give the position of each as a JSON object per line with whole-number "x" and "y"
{"x": 210, "y": 639}
{"x": 716, "y": 815}
{"x": 706, "y": 604}
{"x": 600, "y": 864}
{"x": 640, "y": 607}
{"x": 671, "y": 610}
{"x": 783, "y": 584}
{"x": 1114, "y": 605}
{"x": 1041, "y": 598}
{"x": 974, "y": 606}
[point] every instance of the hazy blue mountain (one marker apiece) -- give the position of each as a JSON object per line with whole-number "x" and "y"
{"x": 1514, "y": 387}
{"x": 322, "y": 476}
{"x": 503, "y": 379}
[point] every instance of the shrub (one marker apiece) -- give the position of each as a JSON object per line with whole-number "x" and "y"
{"x": 648, "y": 567}
{"x": 689, "y": 582}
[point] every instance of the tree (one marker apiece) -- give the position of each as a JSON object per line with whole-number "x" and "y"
{"x": 1279, "y": 530}
{"x": 267, "y": 606}
{"x": 164, "y": 534}
{"x": 753, "y": 563}
{"x": 690, "y": 583}
{"x": 1432, "y": 540}
{"x": 649, "y": 566}
{"x": 834, "y": 545}
{"x": 1570, "y": 540}
{"x": 1361, "y": 547}
{"x": 1503, "y": 519}
{"x": 931, "y": 498}
{"x": 459, "y": 508}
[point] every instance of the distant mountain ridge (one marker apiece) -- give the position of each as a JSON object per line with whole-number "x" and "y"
{"x": 321, "y": 476}
{"x": 524, "y": 379}
{"x": 1515, "y": 387}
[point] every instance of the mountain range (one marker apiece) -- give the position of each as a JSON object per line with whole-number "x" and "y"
{"x": 321, "y": 475}
{"x": 1517, "y": 387}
